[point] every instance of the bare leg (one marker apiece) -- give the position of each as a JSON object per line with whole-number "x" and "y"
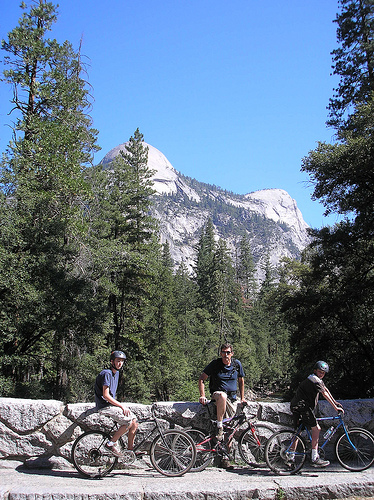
{"x": 131, "y": 428}
{"x": 315, "y": 436}
{"x": 131, "y": 435}
{"x": 119, "y": 432}
{"x": 220, "y": 399}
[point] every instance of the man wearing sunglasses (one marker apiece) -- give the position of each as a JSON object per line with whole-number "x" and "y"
{"x": 226, "y": 375}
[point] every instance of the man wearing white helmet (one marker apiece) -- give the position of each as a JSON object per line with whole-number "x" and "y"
{"x": 304, "y": 404}
{"x": 106, "y": 385}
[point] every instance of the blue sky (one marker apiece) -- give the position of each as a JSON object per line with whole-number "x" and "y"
{"x": 233, "y": 93}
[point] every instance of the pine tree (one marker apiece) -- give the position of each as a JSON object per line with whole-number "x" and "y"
{"x": 204, "y": 264}
{"x": 224, "y": 290}
{"x": 43, "y": 204}
{"x": 341, "y": 279}
{"x": 245, "y": 272}
{"x": 124, "y": 239}
{"x": 164, "y": 343}
{"x": 353, "y": 60}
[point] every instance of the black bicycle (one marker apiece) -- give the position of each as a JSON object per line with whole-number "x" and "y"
{"x": 251, "y": 441}
{"x": 286, "y": 450}
{"x": 172, "y": 451}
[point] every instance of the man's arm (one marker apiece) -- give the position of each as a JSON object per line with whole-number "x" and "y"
{"x": 241, "y": 388}
{"x": 114, "y": 402}
{"x": 202, "y": 379}
{"x": 328, "y": 396}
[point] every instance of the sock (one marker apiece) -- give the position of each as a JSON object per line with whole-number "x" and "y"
{"x": 219, "y": 423}
{"x": 110, "y": 443}
{"x": 314, "y": 455}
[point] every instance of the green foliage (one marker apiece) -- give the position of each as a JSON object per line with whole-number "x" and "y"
{"x": 44, "y": 298}
{"x": 332, "y": 310}
{"x": 81, "y": 268}
{"x": 245, "y": 271}
{"x": 353, "y": 60}
{"x": 123, "y": 241}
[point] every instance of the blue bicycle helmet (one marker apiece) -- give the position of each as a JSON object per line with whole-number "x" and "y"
{"x": 322, "y": 365}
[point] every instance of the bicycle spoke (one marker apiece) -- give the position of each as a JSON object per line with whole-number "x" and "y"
{"x": 173, "y": 453}
{"x": 285, "y": 453}
{"x": 204, "y": 454}
{"x": 358, "y": 457}
{"x": 252, "y": 444}
{"x": 90, "y": 457}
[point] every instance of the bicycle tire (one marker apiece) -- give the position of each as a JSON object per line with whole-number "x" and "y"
{"x": 357, "y": 459}
{"x": 89, "y": 456}
{"x": 252, "y": 444}
{"x": 173, "y": 453}
{"x": 278, "y": 456}
{"x": 204, "y": 455}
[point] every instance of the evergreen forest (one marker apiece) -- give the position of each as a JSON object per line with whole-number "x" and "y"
{"x": 82, "y": 270}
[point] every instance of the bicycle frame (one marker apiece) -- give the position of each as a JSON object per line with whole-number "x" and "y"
{"x": 227, "y": 424}
{"x": 157, "y": 426}
{"x": 286, "y": 450}
{"x": 309, "y": 435}
{"x": 172, "y": 452}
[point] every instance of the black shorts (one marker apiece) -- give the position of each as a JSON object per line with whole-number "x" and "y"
{"x": 303, "y": 414}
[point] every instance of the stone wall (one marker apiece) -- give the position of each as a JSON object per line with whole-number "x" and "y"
{"x": 40, "y": 433}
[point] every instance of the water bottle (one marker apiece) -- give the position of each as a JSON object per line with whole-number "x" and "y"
{"x": 328, "y": 433}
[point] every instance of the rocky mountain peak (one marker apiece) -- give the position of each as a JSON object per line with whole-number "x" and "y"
{"x": 166, "y": 179}
{"x": 270, "y": 217}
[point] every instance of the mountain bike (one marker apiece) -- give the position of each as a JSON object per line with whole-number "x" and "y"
{"x": 251, "y": 441}
{"x": 172, "y": 452}
{"x": 286, "y": 450}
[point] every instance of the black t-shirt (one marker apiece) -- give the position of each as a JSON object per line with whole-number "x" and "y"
{"x": 223, "y": 377}
{"x": 308, "y": 392}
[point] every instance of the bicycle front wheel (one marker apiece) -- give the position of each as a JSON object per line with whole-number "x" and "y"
{"x": 204, "y": 453}
{"x": 252, "y": 444}
{"x": 285, "y": 452}
{"x": 355, "y": 451}
{"x": 90, "y": 457}
{"x": 173, "y": 453}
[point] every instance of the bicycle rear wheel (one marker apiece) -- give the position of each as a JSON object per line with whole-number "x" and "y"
{"x": 204, "y": 454}
{"x": 252, "y": 444}
{"x": 285, "y": 452}
{"x": 173, "y": 453}
{"x": 358, "y": 457}
{"x": 90, "y": 457}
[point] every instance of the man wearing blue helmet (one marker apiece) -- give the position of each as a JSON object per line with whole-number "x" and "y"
{"x": 106, "y": 385}
{"x": 304, "y": 404}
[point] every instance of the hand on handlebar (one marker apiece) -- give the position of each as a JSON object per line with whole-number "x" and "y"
{"x": 339, "y": 408}
{"x": 203, "y": 400}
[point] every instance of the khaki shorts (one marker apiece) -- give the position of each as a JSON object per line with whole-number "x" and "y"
{"x": 116, "y": 413}
{"x": 231, "y": 406}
